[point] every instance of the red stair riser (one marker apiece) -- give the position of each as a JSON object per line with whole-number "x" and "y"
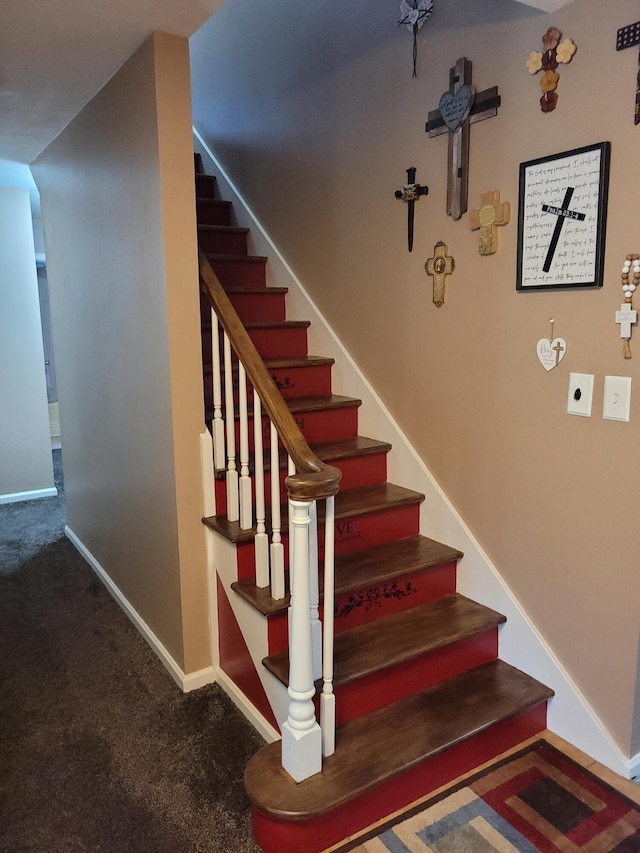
{"x": 240, "y": 272}
{"x": 323, "y": 425}
{"x": 280, "y": 343}
{"x": 206, "y": 186}
{"x": 390, "y": 685}
{"x": 259, "y": 308}
{"x": 360, "y": 471}
{"x": 415, "y": 588}
{"x": 213, "y": 214}
{"x": 303, "y": 381}
{"x": 312, "y": 381}
{"x": 223, "y": 242}
{"x": 352, "y": 534}
{"x": 316, "y": 834}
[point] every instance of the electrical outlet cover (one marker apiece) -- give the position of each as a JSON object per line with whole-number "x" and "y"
{"x": 616, "y": 404}
{"x": 580, "y": 394}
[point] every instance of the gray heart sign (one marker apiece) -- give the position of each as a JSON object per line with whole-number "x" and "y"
{"x": 454, "y": 109}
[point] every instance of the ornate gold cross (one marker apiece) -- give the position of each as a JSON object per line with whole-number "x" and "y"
{"x": 491, "y": 212}
{"x": 440, "y": 266}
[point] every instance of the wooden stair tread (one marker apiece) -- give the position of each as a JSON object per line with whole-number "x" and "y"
{"x": 234, "y": 290}
{"x": 399, "y": 637}
{"x": 223, "y": 229}
{"x": 256, "y": 259}
{"x": 341, "y": 448}
{"x": 204, "y": 199}
{"x": 348, "y": 504}
{"x": 362, "y": 568}
{"x": 283, "y": 363}
{"x": 319, "y": 403}
{"x": 279, "y": 324}
{"x": 379, "y": 746}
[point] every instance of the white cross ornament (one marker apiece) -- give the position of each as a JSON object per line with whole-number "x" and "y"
{"x": 626, "y": 317}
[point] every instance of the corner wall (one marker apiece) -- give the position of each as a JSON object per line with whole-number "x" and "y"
{"x": 316, "y": 120}
{"x": 26, "y": 470}
{"x": 119, "y": 221}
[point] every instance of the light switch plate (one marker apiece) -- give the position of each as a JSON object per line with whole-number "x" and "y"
{"x": 617, "y": 398}
{"x": 580, "y": 394}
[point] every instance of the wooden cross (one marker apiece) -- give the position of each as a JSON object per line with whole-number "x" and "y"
{"x": 491, "y": 213}
{"x": 558, "y": 348}
{"x": 459, "y": 108}
{"x": 440, "y": 266}
{"x": 626, "y": 316}
{"x": 628, "y": 37}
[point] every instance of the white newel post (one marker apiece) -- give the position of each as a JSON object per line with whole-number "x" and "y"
{"x": 301, "y": 736}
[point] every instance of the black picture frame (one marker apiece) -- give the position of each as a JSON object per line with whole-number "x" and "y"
{"x": 562, "y": 219}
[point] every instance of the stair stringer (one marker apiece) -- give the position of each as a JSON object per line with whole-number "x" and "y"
{"x": 522, "y": 644}
{"x": 223, "y": 566}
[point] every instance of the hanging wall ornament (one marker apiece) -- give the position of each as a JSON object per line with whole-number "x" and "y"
{"x": 551, "y": 350}
{"x": 412, "y": 16}
{"x": 555, "y": 53}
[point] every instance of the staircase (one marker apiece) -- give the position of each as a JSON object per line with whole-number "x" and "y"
{"x": 421, "y": 696}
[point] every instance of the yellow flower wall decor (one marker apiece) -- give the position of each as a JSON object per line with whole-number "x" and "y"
{"x": 555, "y": 52}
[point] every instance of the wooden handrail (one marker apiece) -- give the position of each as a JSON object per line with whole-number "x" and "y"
{"x": 314, "y": 479}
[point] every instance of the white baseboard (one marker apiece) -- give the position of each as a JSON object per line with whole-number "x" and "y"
{"x": 248, "y": 709}
{"x": 571, "y": 716}
{"x": 28, "y": 496}
{"x": 185, "y": 681}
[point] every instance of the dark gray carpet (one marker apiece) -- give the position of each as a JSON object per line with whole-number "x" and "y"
{"x": 99, "y": 750}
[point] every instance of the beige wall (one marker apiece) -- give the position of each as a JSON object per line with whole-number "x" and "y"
{"x": 316, "y": 120}
{"x": 118, "y": 212}
{"x": 25, "y": 447}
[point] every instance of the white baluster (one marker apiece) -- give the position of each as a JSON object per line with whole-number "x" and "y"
{"x": 261, "y": 538}
{"x": 277, "y": 548}
{"x": 291, "y": 469}
{"x": 246, "y": 510}
{"x": 301, "y": 736}
{"x": 314, "y": 594}
{"x": 327, "y": 697}
{"x": 217, "y": 425}
{"x": 233, "y": 513}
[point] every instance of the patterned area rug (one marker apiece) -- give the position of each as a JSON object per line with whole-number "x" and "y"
{"x": 536, "y": 800}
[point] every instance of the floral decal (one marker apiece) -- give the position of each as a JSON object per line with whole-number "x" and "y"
{"x": 555, "y": 52}
{"x": 374, "y": 597}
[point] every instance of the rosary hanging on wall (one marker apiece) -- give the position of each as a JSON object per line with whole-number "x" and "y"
{"x": 413, "y": 14}
{"x": 626, "y": 316}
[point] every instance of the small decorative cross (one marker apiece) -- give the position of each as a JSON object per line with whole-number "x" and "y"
{"x": 558, "y": 348}
{"x": 410, "y": 193}
{"x": 459, "y": 108}
{"x": 626, "y": 316}
{"x": 440, "y": 266}
{"x": 628, "y": 37}
{"x": 492, "y": 212}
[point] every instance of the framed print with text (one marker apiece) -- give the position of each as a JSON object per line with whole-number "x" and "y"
{"x": 562, "y": 214}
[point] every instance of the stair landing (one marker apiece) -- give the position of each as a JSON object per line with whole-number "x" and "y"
{"x": 392, "y": 756}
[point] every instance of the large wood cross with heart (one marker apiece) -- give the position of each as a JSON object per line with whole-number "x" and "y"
{"x": 459, "y": 108}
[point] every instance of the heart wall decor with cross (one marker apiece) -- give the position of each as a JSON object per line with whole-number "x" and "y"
{"x": 552, "y": 352}
{"x": 455, "y": 108}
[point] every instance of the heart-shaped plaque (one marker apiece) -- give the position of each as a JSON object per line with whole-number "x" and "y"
{"x": 552, "y": 352}
{"x": 454, "y": 109}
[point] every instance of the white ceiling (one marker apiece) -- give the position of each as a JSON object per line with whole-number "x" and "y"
{"x": 56, "y": 54}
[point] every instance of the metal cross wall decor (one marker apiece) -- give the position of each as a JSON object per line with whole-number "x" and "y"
{"x": 439, "y": 267}
{"x": 628, "y": 37}
{"x": 459, "y": 108}
{"x": 411, "y": 193}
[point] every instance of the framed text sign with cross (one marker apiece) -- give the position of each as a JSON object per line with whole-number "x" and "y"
{"x": 562, "y": 213}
